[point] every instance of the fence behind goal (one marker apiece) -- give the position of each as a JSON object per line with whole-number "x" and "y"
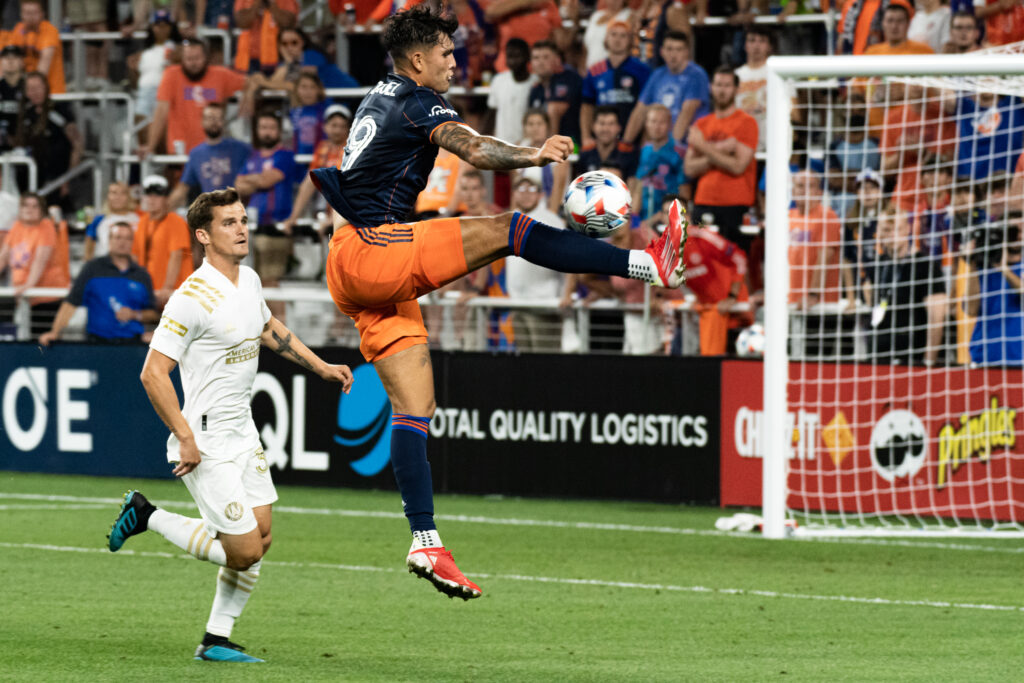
{"x": 894, "y": 297}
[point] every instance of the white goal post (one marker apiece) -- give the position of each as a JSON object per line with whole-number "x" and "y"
{"x": 884, "y": 510}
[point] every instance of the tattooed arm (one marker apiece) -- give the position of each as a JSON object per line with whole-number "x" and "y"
{"x": 489, "y": 153}
{"x": 281, "y": 340}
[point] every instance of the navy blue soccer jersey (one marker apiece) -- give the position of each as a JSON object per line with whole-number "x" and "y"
{"x": 389, "y": 153}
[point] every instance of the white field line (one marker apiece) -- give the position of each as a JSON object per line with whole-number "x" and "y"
{"x": 600, "y": 583}
{"x": 549, "y": 523}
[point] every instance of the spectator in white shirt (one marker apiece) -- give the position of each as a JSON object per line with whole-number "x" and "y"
{"x": 510, "y": 91}
{"x": 930, "y": 24}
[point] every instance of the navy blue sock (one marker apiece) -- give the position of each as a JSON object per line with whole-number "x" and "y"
{"x": 566, "y": 251}
{"x": 412, "y": 471}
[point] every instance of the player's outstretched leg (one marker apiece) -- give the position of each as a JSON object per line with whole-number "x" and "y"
{"x": 660, "y": 264}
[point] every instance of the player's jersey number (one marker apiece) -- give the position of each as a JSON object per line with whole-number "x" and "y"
{"x": 363, "y": 132}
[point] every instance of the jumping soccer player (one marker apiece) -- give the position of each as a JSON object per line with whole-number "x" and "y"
{"x": 213, "y": 326}
{"x": 378, "y": 266}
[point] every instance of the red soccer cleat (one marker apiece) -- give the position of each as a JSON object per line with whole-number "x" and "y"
{"x": 438, "y": 566}
{"x": 667, "y": 249}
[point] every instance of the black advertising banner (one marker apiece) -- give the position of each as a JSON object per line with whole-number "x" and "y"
{"x": 532, "y": 425}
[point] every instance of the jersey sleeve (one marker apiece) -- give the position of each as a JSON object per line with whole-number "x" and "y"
{"x": 90, "y": 230}
{"x": 180, "y": 324}
{"x": 77, "y": 293}
{"x": 429, "y": 111}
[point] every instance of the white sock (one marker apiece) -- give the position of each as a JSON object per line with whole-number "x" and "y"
{"x": 642, "y": 267}
{"x": 189, "y": 534}
{"x": 233, "y": 590}
{"x": 426, "y": 539}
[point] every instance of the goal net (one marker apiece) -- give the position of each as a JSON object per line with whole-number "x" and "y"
{"x": 894, "y": 295}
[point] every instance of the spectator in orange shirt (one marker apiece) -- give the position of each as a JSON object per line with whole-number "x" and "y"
{"x": 1004, "y": 20}
{"x": 721, "y": 156}
{"x": 41, "y": 42}
{"x": 184, "y": 91}
{"x": 716, "y": 272}
{"x": 30, "y": 252}
{"x": 814, "y": 244}
{"x": 912, "y": 131}
{"x": 895, "y": 24}
{"x": 162, "y": 244}
{"x": 531, "y": 20}
{"x": 328, "y": 152}
{"x": 260, "y": 21}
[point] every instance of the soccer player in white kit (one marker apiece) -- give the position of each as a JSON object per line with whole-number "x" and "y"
{"x": 213, "y": 327}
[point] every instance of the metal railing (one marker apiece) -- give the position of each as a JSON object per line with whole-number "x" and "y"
{"x": 311, "y": 314}
{"x": 14, "y": 158}
{"x": 77, "y": 40}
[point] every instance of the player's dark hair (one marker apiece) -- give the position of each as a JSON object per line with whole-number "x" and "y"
{"x": 200, "y": 214}
{"x": 604, "y": 110}
{"x": 415, "y": 28}
{"x": 728, "y": 70}
{"x": 677, "y": 35}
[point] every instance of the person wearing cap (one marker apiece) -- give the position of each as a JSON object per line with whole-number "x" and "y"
{"x": 328, "y": 153}
{"x": 162, "y": 38}
{"x": 614, "y": 12}
{"x": 12, "y": 92}
{"x": 615, "y": 81}
{"x": 214, "y": 164}
{"x": 895, "y": 25}
{"x": 162, "y": 245}
{"x": 41, "y": 41}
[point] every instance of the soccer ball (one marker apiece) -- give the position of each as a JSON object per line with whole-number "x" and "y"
{"x": 750, "y": 341}
{"x": 597, "y": 204}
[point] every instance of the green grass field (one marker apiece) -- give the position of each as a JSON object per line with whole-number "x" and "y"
{"x": 573, "y": 591}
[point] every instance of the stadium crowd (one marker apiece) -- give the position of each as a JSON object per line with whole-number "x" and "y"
{"x": 906, "y": 198}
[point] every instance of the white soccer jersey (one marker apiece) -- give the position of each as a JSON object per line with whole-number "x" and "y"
{"x": 212, "y": 329}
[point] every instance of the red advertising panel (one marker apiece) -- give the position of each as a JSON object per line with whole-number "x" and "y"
{"x": 883, "y": 440}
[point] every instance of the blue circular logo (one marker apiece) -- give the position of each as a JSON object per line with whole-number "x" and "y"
{"x": 364, "y": 418}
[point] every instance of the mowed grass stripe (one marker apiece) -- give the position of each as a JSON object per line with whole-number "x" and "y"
{"x": 94, "y": 502}
{"x": 600, "y": 583}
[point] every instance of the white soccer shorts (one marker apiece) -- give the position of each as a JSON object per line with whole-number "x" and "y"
{"x": 227, "y": 489}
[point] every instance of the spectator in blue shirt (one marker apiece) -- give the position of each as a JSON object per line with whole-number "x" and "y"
{"x": 990, "y": 130}
{"x": 116, "y": 291}
{"x": 661, "y": 167}
{"x": 266, "y": 181}
{"x": 214, "y": 163}
{"x": 995, "y": 290}
{"x": 614, "y": 82}
{"x": 681, "y": 86}
{"x": 558, "y": 91}
{"x": 307, "y": 118}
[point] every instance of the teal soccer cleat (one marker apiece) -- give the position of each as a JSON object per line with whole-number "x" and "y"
{"x": 224, "y": 651}
{"x": 131, "y": 520}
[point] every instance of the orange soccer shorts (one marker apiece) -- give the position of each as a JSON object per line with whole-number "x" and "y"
{"x": 376, "y": 274}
